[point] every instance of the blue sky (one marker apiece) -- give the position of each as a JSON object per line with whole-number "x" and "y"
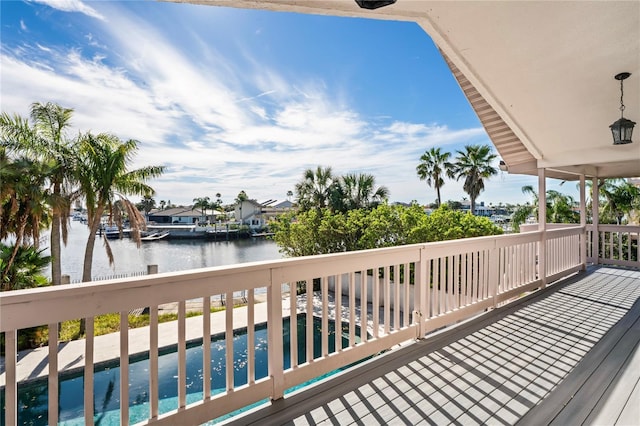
{"x": 230, "y": 99}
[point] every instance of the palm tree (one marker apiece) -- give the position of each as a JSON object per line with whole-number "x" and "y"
{"x": 202, "y": 203}
{"x": 23, "y": 206}
{"x": 45, "y": 140}
{"x": 242, "y": 197}
{"x": 314, "y": 190}
{"x": 620, "y": 198}
{"x": 560, "y": 208}
{"x": 22, "y": 267}
{"x": 356, "y": 191}
{"x": 434, "y": 165}
{"x": 474, "y": 164}
{"x": 105, "y": 182}
{"x": 162, "y": 204}
{"x": 146, "y": 205}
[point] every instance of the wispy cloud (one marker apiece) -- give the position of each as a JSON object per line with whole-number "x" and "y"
{"x": 72, "y": 6}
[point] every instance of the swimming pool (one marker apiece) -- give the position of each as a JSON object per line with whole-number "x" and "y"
{"x": 32, "y": 396}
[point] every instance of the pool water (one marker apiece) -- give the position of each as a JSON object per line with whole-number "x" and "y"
{"x": 33, "y": 396}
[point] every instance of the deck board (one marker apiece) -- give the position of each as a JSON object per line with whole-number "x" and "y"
{"x": 562, "y": 354}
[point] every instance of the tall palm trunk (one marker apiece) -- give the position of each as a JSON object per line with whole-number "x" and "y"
{"x": 94, "y": 225}
{"x": 14, "y": 252}
{"x": 56, "y": 264}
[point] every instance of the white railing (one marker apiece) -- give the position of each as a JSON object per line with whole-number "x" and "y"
{"x": 614, "y": 245}
{"x": 392, "y": 295}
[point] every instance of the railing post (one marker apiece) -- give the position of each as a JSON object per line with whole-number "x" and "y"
{"x": 542, "y": 227}
{"x": 583, "y": 224}
{"x": 274, "y": 346}
{"x": 595, "y": 214}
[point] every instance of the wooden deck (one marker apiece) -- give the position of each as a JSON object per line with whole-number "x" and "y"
{"x": 567, "y": 355}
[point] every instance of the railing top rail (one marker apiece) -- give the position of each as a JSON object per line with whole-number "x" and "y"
{"x": 561, "y": 232}
{"x": 619, "y": 228}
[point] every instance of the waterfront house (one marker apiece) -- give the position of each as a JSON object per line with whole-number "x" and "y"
{"x": 257, "y": 215}
{"x": 182, "y": 216}
{"x": 540, "y": 76}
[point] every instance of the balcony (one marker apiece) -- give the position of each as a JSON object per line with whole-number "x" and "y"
{"x": 458, "y": 328}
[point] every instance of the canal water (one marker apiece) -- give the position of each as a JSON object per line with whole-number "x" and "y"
{"x": 169, "y": 255}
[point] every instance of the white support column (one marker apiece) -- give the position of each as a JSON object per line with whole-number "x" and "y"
{"x": 583, "y": 223}
{"x": 595, "y": 205}
{"x": 542, "y": 226}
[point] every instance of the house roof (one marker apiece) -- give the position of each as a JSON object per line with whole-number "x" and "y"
{"x": 177, "y": 211}
{"x": 539, "y": 74}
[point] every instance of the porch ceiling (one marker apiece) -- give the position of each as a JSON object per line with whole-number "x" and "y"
{"x": 539, "y": 74}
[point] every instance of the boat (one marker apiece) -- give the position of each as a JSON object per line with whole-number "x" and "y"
{"x": 112, "y": 232}
{"x": 155, "y": 236}
{"x": 179, "y": 231}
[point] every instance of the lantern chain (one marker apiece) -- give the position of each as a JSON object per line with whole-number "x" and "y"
{"x": 621, "y": 97}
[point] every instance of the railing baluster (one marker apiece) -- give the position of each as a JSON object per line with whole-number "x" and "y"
{"x": 620, "y": 245}
{"x": 437, "y": 285}
{"x": 11, "y": 384}
{"x": 376, "y": 302}
{"x": 611, "y": 248}
{"x": 407, "y": 285}
{"x": 387, "y": 299}
{"x": 251, "y": 336}
{"x": 352, "y": 309}
{"x": 206, "y": 347}
{"x": 293, "y": 326}
{"x": 229, "y": 341}
{"x": 53, "y": 374}
{"x": 481, "y": 274}
{"x": 396, "y": 297}
{"x": 88, "y": 370}
{"x": 469, "y": 278}
{"x": 154, "y": 394}
{"x": 124, "y": 367}
{"x": 338, "y": 313}
{"x": 364, "y": 315}
{"x": 310, "y": 331}
{"x": 428, "y": 298}
{"x": 452, "y": 283}
{"x": 324, "y": 286}
{"x": 182, "y": 354}
{"x": 521, "y": 262}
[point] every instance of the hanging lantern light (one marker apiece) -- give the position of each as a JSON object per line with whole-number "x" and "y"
{"x": 374, "y": 4}
{"x": 622, "y": 128}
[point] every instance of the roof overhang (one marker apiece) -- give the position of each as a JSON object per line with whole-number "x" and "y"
{"x": 539, "y": 74}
